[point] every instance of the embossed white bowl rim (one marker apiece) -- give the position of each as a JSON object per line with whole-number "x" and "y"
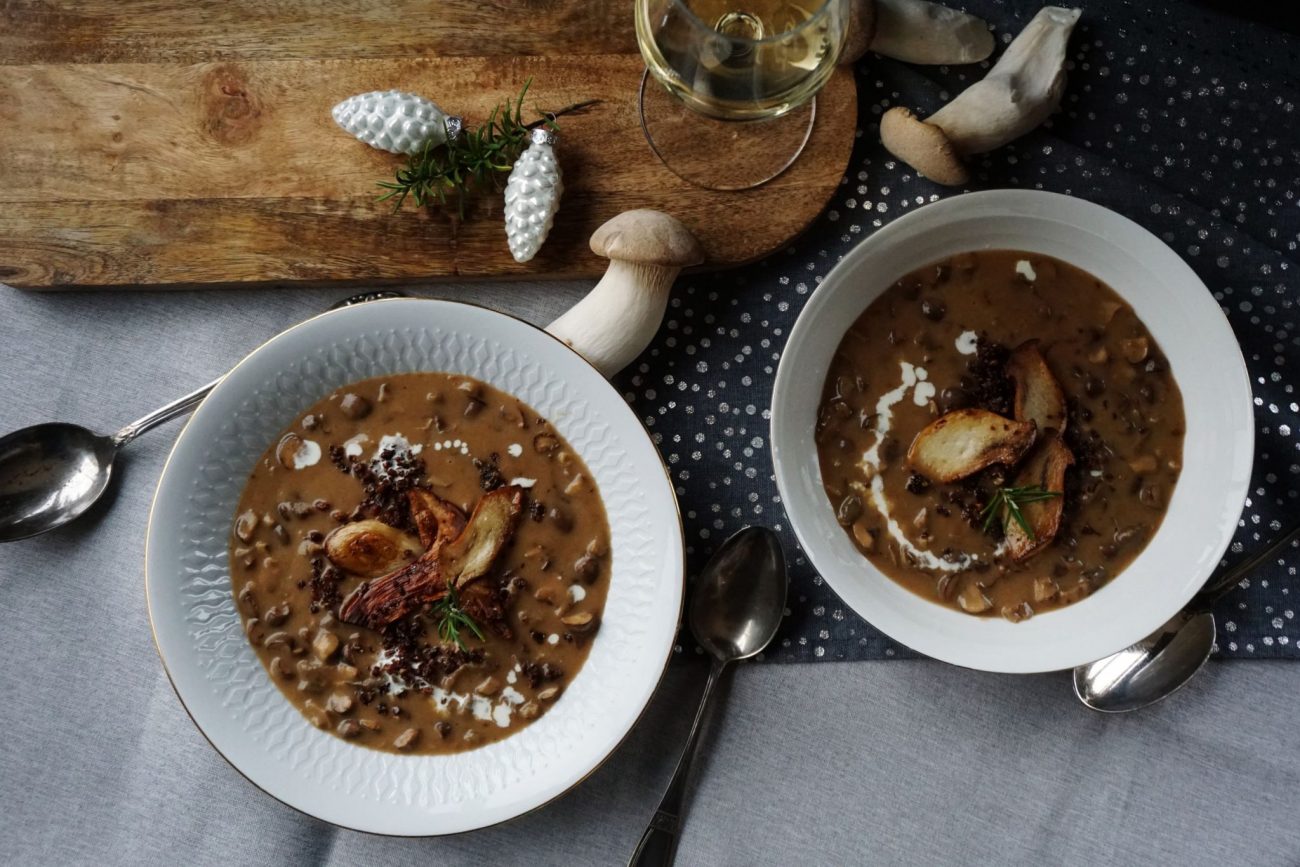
{"x": 226, "y": 690}
{"x": 1206, "y": 360}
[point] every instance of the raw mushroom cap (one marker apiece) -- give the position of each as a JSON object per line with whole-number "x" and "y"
{"x": 923, "y": 146}
{"x": 1019, "y": 93}
{"x": 647, "y": 237}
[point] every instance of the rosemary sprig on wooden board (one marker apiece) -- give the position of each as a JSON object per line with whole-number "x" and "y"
{"x": 1005, "y": 506}
{"x": 473, "y": 160}
{"x": 452, "y": 619}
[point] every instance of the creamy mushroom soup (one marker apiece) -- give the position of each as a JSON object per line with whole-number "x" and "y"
{"x": 420, "y": 562}
{"x": 1000, "y": 433}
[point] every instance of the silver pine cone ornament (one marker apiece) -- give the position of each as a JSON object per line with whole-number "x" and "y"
{"x": 394, "y": 121}
{"x": 533, "y": 196}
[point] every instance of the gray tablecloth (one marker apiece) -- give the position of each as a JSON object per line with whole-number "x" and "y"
{"x": 848, "y": 763}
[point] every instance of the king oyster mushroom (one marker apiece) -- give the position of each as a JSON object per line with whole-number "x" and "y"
{"x": 471, "y": 554}
{"x": 615, "y": 322}
{"x": 965, "y": 441}
{"x": 1039, "y": 397}
{"x": 1020, "y": 92}
{"x": 915, "y": 31}
{"x": 1046, "y": 468}
{"x": 456, "y": 564}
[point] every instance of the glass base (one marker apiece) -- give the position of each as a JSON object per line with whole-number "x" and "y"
{"x": 719, "y": 154}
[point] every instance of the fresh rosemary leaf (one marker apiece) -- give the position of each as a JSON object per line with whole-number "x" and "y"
{"x": 452, "y": 619}
{"x": 1005, "y": 505}
{"x": 1013, "y": 509}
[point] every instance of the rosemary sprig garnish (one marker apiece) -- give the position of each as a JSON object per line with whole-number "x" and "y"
{"x": 473, "y": 160}
{"x": 1005, "y": 504}
{"x": 452, "y": 619}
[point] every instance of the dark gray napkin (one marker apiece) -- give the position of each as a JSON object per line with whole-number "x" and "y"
{"x": 1182, "y": 119}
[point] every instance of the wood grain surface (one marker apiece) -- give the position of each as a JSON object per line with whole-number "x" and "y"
{"x": 147, "y": 143}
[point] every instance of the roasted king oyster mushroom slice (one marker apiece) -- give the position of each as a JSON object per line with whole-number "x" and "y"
{"x": 458, "y": 562}
{"x": 1046, "y": 468}
{"x": 1038, "y": 395}
{"x": 436, "y": 520}
{"x": 376, "y": 604}
{"x": 965, "y": 441}
{"x": 471, "y": 554}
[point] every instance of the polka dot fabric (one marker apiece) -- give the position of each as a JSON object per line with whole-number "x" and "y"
{"x": 1185, "y": 121}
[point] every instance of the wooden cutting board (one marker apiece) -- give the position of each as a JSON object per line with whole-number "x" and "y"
{"x": 173, "y": 143}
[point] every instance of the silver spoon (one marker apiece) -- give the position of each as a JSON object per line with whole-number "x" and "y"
{"x": 1160, "y": 664}
{"x": 735, "y": 609}
{"x": 52, "y": 473}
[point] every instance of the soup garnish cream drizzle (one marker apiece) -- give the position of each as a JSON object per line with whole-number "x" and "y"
{"x": 999, "y": 433}
{"x": 421, "y": 562}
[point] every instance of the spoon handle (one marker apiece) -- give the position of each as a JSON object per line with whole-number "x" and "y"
{"x": 658, "y": 846}
{"x": 1216, "y": 591}
{"x": 194, "y": 398}
{"x": 166, "y": 413}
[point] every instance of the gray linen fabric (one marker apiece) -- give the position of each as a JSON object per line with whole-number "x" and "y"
{"x": 870, "y": 763}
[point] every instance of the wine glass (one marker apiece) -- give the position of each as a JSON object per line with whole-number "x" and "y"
{"x": 739, "y": 81}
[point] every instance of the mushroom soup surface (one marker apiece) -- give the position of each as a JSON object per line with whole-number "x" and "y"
{"x": 1000, "y": 433}
{"x": 421, "y": 562}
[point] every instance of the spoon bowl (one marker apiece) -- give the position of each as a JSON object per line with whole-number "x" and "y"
{"x": 1153, "y": 668}
{"x": 737, "y": 604}
{"x": 739, "y": 598}
{"x": 1160, "y": 664}
{"x": 52, "y": 474}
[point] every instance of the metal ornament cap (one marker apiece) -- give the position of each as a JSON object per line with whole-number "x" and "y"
{"x": 543, "y": 136}
{"x": 532, "y": 196}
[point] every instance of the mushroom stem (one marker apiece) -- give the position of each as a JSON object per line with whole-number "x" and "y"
{"x": 1020, "y": 92}
{"x": 616, "y": 321}
{"x": 916, "y": 31}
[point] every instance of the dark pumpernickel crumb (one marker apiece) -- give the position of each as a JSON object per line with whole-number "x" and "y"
{"x": 1090, "y": 454}
{"x": 988, "y": 386}
{"x": 416, "y": 660}
{"x": 324, "y": 585}
{"x": 339, "y": 458}
{"x": 486, "y": 601}
{"x": 1089, "y": 449}
{"x": 970, "y": 499}
{"x": 489, "y": 473}
{"x": 540, "y": 672}
{"x": 384, "y": 482}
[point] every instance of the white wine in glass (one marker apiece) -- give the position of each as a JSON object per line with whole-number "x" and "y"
{"x": 728, "y": 61}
